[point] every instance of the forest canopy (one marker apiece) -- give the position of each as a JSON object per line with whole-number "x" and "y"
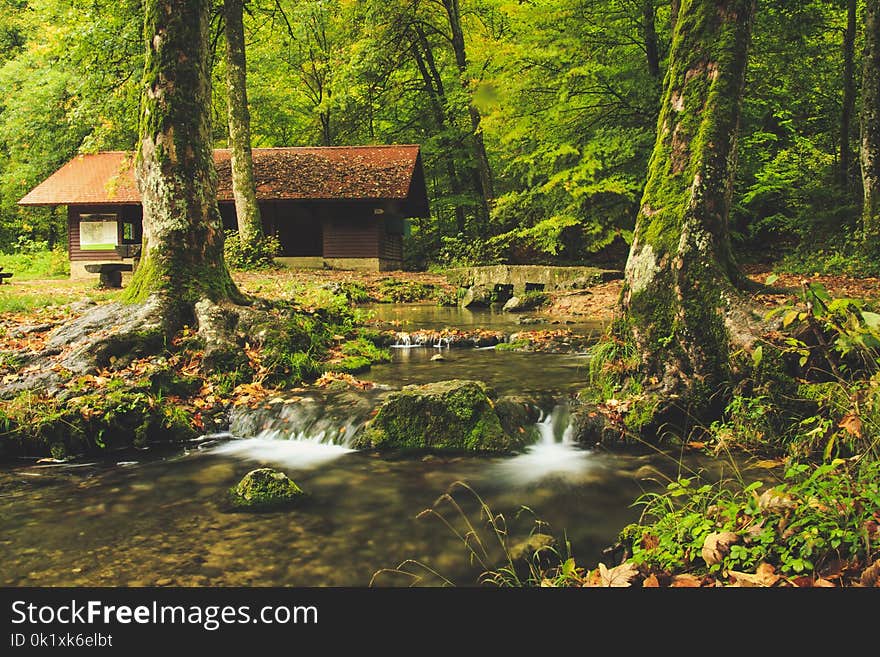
{"x": 536, "y": 118}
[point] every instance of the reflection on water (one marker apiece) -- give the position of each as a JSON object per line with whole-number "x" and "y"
{"x": 161, "y": 521}
{"x": 434, "y": 317}
{"x": 508, "y": 372}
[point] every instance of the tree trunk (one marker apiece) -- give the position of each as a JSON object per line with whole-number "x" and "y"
{"x": 681, "y": 281}
{"x": 434, "y": 87}
{"x": 247, "y": 211}
{"x": 182, "y": 254}
{"x": 649, "y": 32}
{"x": 484, "y": 171}
{"x": 849, "y": 95}
{"x": 674, "y": 10}
{"x": 870, "y": 148}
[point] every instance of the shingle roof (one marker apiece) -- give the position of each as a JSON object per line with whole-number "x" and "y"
{"x": 330, "y": 173}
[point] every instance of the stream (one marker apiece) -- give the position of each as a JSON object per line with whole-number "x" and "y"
{"x": 159, "y": 519}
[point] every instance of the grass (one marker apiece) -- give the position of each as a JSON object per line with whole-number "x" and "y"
{"x": 37, "y": 265}
{"x": 29, "y": 295}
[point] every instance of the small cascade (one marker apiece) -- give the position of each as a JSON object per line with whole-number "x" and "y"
{"x": 303, "y": 432}
{"x": 403, "y": 341}
{"x": 443, "y": 342}
{"x": 555, "y": 454}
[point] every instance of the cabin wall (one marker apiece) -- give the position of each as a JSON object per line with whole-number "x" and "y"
{"x": 78, "y": 257}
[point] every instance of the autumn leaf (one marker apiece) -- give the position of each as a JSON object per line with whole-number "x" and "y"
{"x": 764, "y": 576}
{"x": 852, "y": 424}
{"x": 619, "y": 576}
{"x": 686, "y": 580}
{"x": 716, "y": 546}
{"x": 651, "y": 582}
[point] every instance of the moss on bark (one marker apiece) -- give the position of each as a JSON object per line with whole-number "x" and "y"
{"x": 681, "y": 278}
{"x": 250, "y": 227}
{"x": 182, "y": 254}
{"x": 870, "y": 130}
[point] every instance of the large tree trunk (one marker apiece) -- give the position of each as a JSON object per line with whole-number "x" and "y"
{"x": 247, "y": 211}
{"x": 484, "y": 171}
{"x": 870, "y": 147}
{"x": 849, "y": 95}
{"x": 182, "y": 253}
{"x": 681, "y": 280}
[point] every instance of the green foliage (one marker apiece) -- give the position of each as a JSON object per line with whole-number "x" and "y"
{"x": 816, "y": 516}
{"x": 250, "y": 256}
{"x": 367, "y": 349}
{"x": 34, "y": 261}
{"x": 393, "y": 290}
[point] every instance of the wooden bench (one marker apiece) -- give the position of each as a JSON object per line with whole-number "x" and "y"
{"x": 4, "y": 275}
{"x": 111, "y": 273}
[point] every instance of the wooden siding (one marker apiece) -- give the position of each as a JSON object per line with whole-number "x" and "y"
{"x": 356, "y": 237}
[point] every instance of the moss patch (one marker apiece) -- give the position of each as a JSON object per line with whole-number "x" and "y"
{"x": 448, "y": 415}
{"x": 264, "y": 489}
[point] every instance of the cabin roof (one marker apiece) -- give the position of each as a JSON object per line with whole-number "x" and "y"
{"x": 332, "y": 173}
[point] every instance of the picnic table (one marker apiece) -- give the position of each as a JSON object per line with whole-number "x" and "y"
{"x": 111, "y": 272}
{"x": 4, "y": 275}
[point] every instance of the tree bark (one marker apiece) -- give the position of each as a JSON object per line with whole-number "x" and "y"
{"x": 434, "y": 87}
{"x": 870, "y": 129}
{"x": 649, "y": 32}
{"x": 681, "y": 280}
{"x": 675, "y": 8}
{"x": 453, "y": 12}
{"x": 182, "y": 254}
{"x": 247, "y": 211}
{"x": 849, "y": 96}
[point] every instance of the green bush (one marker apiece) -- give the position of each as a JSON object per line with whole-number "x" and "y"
{"x": 32, "y": 264}
{"x": 818, "y": 516}
{"x": 250, "y": 257}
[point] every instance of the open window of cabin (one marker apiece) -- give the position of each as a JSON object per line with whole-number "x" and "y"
{"x": 130, "y": 232}
{"x": 98, "y": 232}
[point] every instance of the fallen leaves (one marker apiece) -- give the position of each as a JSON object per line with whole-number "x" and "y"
{"x": 765, "y": 576}
{"x": 618, "y": 577}
{"x": 716, "y": 546}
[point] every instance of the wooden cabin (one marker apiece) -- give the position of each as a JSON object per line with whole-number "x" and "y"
{"x": 331, "y": 207}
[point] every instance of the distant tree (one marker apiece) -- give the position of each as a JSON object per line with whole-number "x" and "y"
{"x": 870, "y": 128}
{"x": 247, "y": 211}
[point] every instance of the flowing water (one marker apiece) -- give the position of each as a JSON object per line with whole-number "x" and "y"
{"x": 152, "y": 519}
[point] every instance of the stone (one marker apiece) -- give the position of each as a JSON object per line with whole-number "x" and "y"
{"x": 264, "y": 489}
{"x": 526, "y": 549}
{"x": 438, "y": 357}
{"x": 477, "y": 296}
{"x": 455, "y": 415}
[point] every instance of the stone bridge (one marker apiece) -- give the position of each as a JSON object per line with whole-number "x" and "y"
{"x": 516, "y": 279}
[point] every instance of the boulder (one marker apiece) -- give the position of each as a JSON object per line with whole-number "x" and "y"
{"x": 455, "y": 415}
{"x": 527, "y": 301}
{"x": 264, "y": 489}
{"x": 477, "y": 296}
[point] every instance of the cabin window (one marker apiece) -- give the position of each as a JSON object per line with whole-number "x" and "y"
{"x": 128, "y": 233}
{"x": 98, "y": 232}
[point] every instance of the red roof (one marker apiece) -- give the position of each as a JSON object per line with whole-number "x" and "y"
{"x": 328, "y": 173}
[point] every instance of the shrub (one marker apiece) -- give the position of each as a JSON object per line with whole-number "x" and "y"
{"x": 249, "y": 257}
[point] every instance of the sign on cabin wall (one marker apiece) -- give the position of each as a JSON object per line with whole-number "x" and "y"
{"x": 98, "y": 232}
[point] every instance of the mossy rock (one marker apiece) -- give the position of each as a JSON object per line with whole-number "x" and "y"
{"x": 455, "y": 415}
{"x": 264, "y": 489}
{"x": 478, "y": 296}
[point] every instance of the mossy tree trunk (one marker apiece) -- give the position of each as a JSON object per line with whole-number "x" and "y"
{"x": 870, "y": 128}
{"x": 247, "y": 211}
{"x": 182, "y": 256}
{"x": 681, "y": 282}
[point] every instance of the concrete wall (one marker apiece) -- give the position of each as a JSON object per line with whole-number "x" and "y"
{"x": 518, "y": 275}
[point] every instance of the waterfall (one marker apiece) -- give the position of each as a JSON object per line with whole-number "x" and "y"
{"x": 555, "y": 454}
{"x": 300, "y": 433}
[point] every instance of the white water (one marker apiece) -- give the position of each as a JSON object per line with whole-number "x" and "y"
{"x": 299, "y": 453}
{"x": 554, "y": 455}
